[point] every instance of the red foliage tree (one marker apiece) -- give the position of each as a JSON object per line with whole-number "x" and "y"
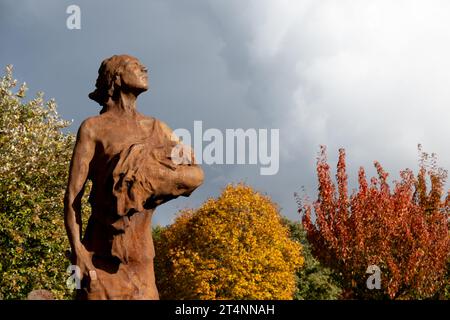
{"x": 402, "y": 231}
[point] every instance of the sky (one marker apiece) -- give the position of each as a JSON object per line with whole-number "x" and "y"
{"x": 372, "y": 77}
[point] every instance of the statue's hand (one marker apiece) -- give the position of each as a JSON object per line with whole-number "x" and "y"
{"x": 83, "y": 259}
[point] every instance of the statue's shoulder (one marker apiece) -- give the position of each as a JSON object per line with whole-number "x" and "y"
{"x": 147, "y": 121}
{"x": 88, "y": 126}
{"x": 167, "y": 130}
{"x": 90, "y": 122}
{"x": 160, "y": 126}
{"x": 105, "y": 119}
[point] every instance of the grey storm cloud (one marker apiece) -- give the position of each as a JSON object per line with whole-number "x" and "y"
{"x": 371, "y": 77}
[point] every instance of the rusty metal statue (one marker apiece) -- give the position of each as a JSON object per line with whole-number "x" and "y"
{"x": 129, "y": 159}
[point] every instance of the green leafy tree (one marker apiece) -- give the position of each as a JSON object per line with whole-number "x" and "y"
{"x": 314, "y": 281}
{"x": 34, "y": 157}
{"x": 157, "y": 231}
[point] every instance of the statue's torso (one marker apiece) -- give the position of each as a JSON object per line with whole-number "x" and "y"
{"x": 132, "y": 171}
{"x": 122, "y": 247}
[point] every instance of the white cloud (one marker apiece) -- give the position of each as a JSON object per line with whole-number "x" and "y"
{"x": 372, "y": 77}
{"x": 378, "y": 75}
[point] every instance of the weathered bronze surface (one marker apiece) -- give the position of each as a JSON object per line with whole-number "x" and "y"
{"x": 128, "y": 158}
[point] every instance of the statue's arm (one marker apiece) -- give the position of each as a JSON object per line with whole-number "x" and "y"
{"x": 179, "y": 182}
{"x": 185, "y": 177}
{"x": 78, "y": 173}
{"x": 189, "y": 175}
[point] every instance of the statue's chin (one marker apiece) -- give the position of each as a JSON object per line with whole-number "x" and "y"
{"x": 141, "y": 89}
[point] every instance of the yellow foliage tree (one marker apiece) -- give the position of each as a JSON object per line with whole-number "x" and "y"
{"x": 232, "y": 247}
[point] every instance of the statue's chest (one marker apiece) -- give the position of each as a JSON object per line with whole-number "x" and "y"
{"x": 116, "y": 143}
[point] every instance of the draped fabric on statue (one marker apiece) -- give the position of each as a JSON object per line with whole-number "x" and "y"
{"x": 143, "y": 176}
{"x": 146, "y": 174}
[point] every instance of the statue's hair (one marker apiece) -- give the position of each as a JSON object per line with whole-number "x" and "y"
{"x": 109, "y": 69}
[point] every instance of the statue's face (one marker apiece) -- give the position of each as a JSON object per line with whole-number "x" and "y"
{"x": 135, "y": 75}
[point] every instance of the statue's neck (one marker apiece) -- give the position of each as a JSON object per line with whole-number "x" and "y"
{"x": 124, "y": 103}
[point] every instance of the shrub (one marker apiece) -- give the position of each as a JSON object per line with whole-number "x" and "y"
{"x": 34, "y": 157}
{"x": 314, "y": 281}
{"x": 232, "y": 247}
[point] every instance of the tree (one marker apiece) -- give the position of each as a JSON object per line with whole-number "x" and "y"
{"x": 34, "y": 157}
{"x": 404, "y": 231}
{"x": 314, "y": 281}
{"x": 232, "y": 247}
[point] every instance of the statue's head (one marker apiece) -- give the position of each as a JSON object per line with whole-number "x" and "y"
{"x": 119, "y": 73}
